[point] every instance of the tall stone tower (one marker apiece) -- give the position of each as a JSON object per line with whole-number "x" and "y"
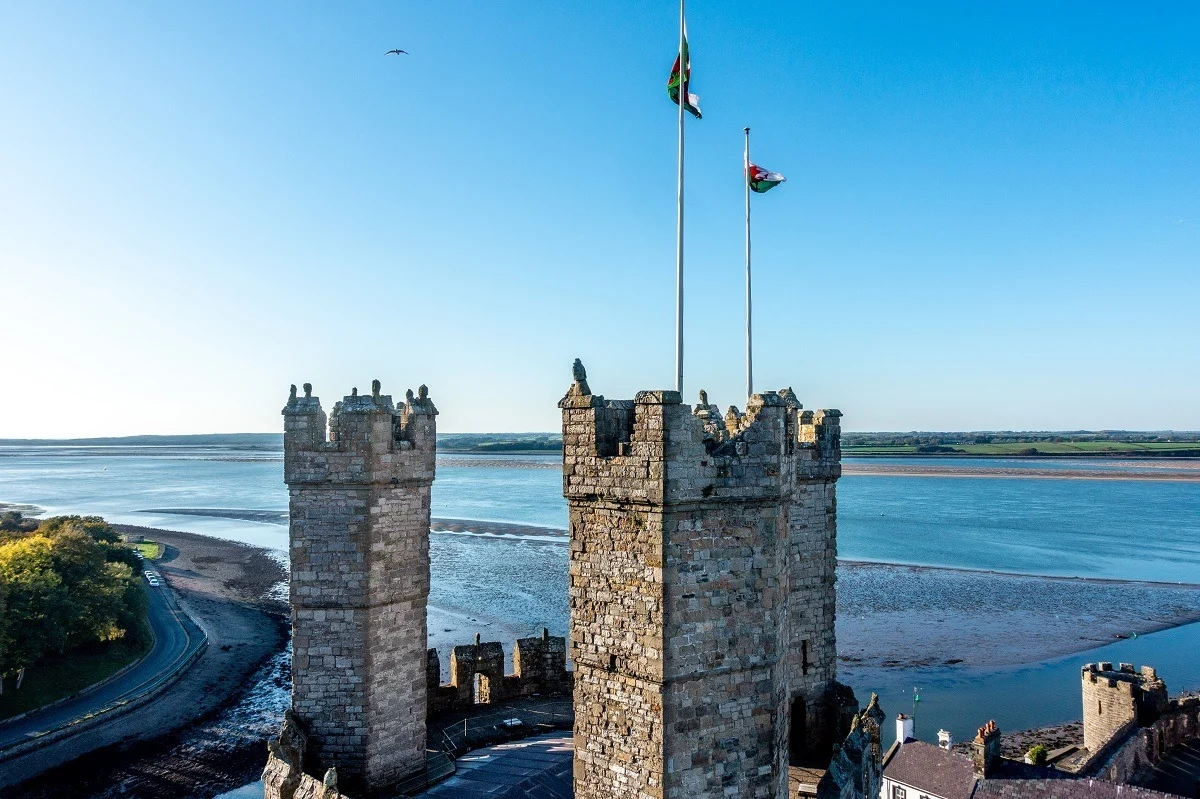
{"x": 359, "y": 512}
{"x": 701, "y": 592}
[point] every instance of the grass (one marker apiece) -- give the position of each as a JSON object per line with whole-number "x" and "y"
{"x": 151, "y": 550}
{"x": 59, "y": 677}
{"x": 1043, "y": 448}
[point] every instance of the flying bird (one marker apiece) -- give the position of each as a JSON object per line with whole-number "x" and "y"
{"x": 396, "y": 52}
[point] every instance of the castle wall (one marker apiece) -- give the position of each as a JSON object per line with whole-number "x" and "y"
{"x": 1142, "y": 749}
{"x": 359, "y": 503}
{"x": 1114, "y": 699}
{"x": 1129, "y": 721}
{"x": 701, "y": 591}
{"x": 539, "y": 667}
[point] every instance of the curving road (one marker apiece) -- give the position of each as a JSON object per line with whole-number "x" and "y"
{"x": 176, "y": 638}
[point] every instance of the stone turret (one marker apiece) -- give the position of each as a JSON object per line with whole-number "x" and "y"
{"x": 359, "y": 545}
{"x": 1116, "y": 700}
{"x": 702, "y": 593}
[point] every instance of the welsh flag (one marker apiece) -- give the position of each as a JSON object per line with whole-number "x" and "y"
{"x": 761, "y": 180}
{"x": 692, "y": 105}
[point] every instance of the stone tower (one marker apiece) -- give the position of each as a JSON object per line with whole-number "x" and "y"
{"x": 359, "y": 544}
{"x": 702, "y": 593}
{"x": 1115, "y": 700}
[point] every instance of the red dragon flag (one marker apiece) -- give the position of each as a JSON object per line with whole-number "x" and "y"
{"x": 692, "y": 105}
{"x": 761, "y": 180}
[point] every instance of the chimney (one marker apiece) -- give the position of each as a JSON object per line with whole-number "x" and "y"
{"x": 985, "y": 748}
{"x": 944, "y": 739}
{"x": 904, "y": 729}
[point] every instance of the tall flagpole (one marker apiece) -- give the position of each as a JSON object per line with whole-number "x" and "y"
{"x": 683, "y": 98}
{"x": 749, "y": 328}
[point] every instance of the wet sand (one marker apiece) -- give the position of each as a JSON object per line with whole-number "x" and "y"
{"x": 1169, "y": 471}
{"x": 1185, "y": 470}
{"x": 891, "y": 616}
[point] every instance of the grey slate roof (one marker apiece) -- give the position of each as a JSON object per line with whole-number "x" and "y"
{"x": 932, "y": 770}
{"x": 1063, "y": 789}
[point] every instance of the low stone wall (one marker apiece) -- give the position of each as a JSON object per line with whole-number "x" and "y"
{"x": 539, "y": 667}
{"x": 1136, "y": 755}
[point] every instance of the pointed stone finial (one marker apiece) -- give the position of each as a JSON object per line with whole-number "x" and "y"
{"x": 408, "y": 396}
{"x": 578, "y": 372}
{"x": 478, "y": 638}
{"x": 704, "y": 398}
{"x": 292, "y": 393}
{"x": 422, "y": 393}
{"x": 307, "y": 390}
{"x": 375, "y": 387}
{"x": 354, "y": 391}
{"x": 331, "y": 779}
{"x": 545, "y": 633}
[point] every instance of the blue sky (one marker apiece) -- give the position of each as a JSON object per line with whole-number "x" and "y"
{"x": 991, "y": 219}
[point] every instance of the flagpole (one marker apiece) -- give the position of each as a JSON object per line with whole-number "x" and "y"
{"x": 683, "y": 98}
{"x": 749, "y": 327}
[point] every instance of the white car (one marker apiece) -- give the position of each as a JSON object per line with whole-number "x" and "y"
{"x": 154, "y": 581}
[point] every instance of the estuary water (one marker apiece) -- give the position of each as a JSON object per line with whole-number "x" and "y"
{"x": 997, "y": 518}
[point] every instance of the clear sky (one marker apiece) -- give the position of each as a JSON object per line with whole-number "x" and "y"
{"x": 991, "y": 219}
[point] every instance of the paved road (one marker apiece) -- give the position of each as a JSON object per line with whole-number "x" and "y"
{"x": 176, "y": 637}
{"x": 535, "y": 768}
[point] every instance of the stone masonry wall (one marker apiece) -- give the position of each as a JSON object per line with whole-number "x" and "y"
{"x": 539, "y": 667}
{"x": 359, "y": 545}
{"x": 1113, "y": 700}
{"x": 1130, "y": 722}
{"x": 701, "y": 590}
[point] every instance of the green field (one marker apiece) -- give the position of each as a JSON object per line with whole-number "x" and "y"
{"x": 59, "y": 677}
{"x": 151, "y": 550}
{"x": 1151, "y": 448}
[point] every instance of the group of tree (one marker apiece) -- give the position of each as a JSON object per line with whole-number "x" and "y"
{"x": 65, "y": 582}
{"x": 934, "y": 439}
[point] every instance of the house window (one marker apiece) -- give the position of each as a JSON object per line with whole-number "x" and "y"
{"x": 897, "y": 792}
{"x": 923, "y": 796}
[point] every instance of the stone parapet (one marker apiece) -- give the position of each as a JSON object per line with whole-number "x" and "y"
{"x": 477, "y": 673}
{"x": 702, "y": 567}
{"x": 1117, "y": 699}
{"x": 359, "y": 506}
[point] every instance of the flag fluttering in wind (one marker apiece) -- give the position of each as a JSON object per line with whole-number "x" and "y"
{"x": 761, "y": 180}
{"x": 692, "y": 106}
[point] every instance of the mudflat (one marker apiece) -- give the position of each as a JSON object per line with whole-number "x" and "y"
{"x": 894, "y": 616}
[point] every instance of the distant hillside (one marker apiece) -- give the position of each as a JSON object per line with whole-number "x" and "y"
{"x": 240, "y": 440}
{"x": 1160, "y": 443}
{"x": 499, "y": 442}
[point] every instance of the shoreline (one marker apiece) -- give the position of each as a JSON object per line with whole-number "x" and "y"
{"x": 891, "y": 619}
{"x": 151, "y": 752}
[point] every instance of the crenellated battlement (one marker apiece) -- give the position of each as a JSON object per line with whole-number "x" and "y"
{"x": 654, "y": 448}
{"x": 366, "y": 439}
{"x": 359, "y": 488}
{"x": 477, "y": 672}
{"x": 703, "y": 553}
{"x": 1116, "y": 699}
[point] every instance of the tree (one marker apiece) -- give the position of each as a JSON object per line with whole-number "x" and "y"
{"x": 1036, "y": 755}
{"x": 68, "y": 584}
{"x": 34, "y": 602}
